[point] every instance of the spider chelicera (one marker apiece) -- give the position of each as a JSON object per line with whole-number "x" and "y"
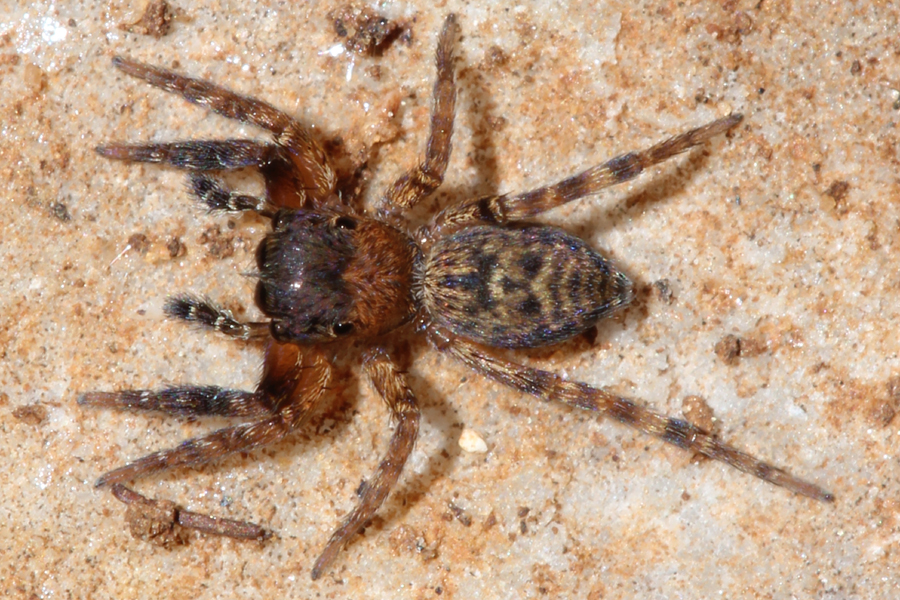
{"x": 478, "y": 277}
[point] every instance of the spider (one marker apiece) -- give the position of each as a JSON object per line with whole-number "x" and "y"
{"x": 479, "y": 277}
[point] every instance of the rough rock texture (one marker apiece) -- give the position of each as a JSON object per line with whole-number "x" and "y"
{"x": 783, "y": 236}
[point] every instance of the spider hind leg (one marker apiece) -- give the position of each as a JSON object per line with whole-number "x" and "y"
{"x": 551, "y": 387}
{"x": 508, "y": 208}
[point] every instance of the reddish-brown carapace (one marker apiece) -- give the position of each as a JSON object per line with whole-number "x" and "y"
{"x": 480, "y": 276}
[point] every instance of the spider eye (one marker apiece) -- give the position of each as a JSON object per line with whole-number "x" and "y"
{"x": 345, "y": 222}
{"x": 279, "y": 330}
{"x": 342, "y": 328}
{"x": 281, "y": 218}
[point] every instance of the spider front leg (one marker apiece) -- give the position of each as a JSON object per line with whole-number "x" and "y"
{"x": 218, "y": 198}
{"x": 198, "y": 155}
{"x": 293, "y": 142}
{"x": 206, "y": 314}
{"x": 499, "y": 210}
{"x": 291, "y": 385}
{"x": 426, "y": 177}
{"x": 391, "y": 385}
{"x": 550, "y": 387}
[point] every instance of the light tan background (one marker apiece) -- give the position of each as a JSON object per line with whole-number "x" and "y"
{"x": 784, "y": 235}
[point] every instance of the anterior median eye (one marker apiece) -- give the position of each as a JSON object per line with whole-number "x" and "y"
{"x": 279, "y": 330}
{"x": 345, "y": 223}
{"x": 342, "y": 328}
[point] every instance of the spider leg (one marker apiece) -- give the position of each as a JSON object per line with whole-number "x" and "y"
{"x": 307, "y": 156}
{"x": 551, "y": 387}
{"x": 218, "y": 198}
{"x": 206, "y": 314}
{"x": 391, "y": 385}
{"x": 515, "y": 207}
{"x": 422, "y": 180}
{"x": 198, "y": 155}
{"x": 282, "y": 184}
{"x": 290, "y": 388}
{"x": 194, "y": 400}
{"x": 186, "y": 401}
{"x": 198, "y": 451}
{"x": 291, "y": 385}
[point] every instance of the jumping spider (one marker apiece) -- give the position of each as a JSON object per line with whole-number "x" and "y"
{"x": 480, "y": 276}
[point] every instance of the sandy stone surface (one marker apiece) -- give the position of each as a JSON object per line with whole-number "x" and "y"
{"x": 767, "y": 302}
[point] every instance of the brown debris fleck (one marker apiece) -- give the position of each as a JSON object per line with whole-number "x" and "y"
{"x": 156, "y": 522}
{"x": 732, "y": 347}
{"x": 410, "y": 541}
{"x": 60, "y": 211}
{"x": 696, "y": 410}
{"x": 366, "y": 33}
{"x": 489, "y": 522}
{"x": 729, "y": 349}
{"x": 32, "y": 414}
{"x": 495, "y": 58}
{"x": 156, "y": 20}
{"x": 140, "y": 243}
{"x": 884, "y": 410}
{"x": 460, "y": 515}
{"x": 218, "y": 245}
{"x": 662, "y": 289}
{"x": 732, "y": 34}
{"x": 176, "y": 247}
{"x": 837, "y": 191}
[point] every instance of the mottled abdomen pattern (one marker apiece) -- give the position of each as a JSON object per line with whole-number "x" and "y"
{"x": 519, "y": 287}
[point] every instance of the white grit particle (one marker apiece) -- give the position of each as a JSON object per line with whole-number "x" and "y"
{"x": 470, "y": 441}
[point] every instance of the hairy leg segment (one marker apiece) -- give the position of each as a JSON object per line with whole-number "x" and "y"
{"x": 551, "y": 387}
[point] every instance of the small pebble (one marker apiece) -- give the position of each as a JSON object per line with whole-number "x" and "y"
{"x": 470, "y": 441}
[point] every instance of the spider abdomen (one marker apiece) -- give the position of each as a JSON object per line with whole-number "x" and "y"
{"x": 520, "y": 287}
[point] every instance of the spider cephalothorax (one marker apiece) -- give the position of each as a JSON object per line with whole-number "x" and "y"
{"x": 352, "y": 276}
{"x": 483, "y": 278}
